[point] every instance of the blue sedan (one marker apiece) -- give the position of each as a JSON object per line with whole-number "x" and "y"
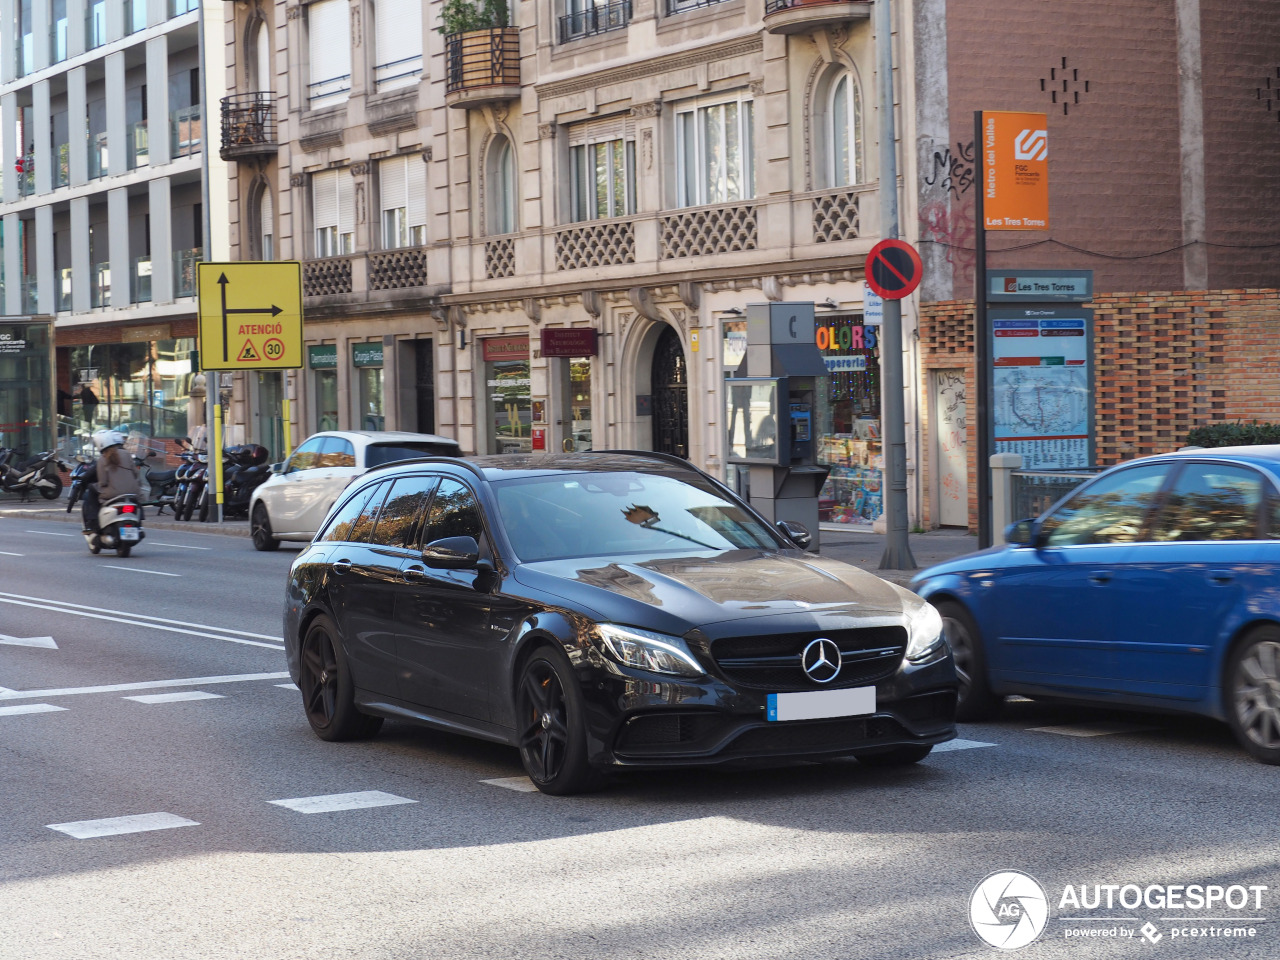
{"x": 1153, "y": 586}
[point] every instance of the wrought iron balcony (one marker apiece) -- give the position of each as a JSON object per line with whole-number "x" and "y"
{"x": 248, "y": 125}
{"x": 804, "y": 16}
{"x": 596, "y": 19}
{"x": 483, "y": 67}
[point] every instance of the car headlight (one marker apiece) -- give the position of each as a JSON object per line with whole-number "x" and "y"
{"x": 925, "y": 631}
{"x": 644, "y": 650}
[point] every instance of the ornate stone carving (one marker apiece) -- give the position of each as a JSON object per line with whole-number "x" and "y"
{"x": 757, "y": 88}
{"x": 546, "y": 131}
{"x": 642, "y": 300}
{"x": 603, "y": 243}
{"x": 297, "y": 179}
{"x": 500, "y": 258}
{"x": 836, "y": 217}
{"x": 646, "y": 148}
{"x": 397, "y": 269}
{"x": 771, "y": 287}
{"x": 647, "y": 109}
{"x": 426, "y": 155}
{"x": 294, "y": 12}
{"x": 533, "y": 309}
{"x": 327, "y": 277}
{"x": 707, "y": 230}
{"x": 690, "y": 294}
{"x": 359, "y": 169}
{"x": 591, "y": 302}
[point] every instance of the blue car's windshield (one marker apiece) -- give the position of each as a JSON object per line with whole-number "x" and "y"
{"x": 610, "y": 513}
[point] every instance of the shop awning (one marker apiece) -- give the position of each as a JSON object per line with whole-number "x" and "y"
{"x": 797, "y": 360}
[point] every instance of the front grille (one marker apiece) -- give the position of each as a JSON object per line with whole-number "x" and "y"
{"x": 928, "y": 707}
{"x": 817, "y": 736}
{"x": 653, "y": 733}
{"x": 772, "y": 662}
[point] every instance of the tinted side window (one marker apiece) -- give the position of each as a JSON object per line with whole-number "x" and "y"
{"x": 1211, "y": 501}
{"x": 355, "y": 519}
{"x": 376, "y": 454}
{"x": 337, "y": 452}
{"x": 1109, "y": 510}
{"x": 454, "y": 513}
{"x": 400, "y": 511}
{"x": 304, "y": 458}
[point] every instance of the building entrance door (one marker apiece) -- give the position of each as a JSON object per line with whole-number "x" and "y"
{"x": 670, "y": 396}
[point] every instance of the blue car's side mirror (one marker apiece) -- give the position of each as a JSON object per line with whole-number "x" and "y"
{"x": 1022, "y": 534}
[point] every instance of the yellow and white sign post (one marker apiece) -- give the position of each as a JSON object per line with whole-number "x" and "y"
{"x": 250, "y": 319}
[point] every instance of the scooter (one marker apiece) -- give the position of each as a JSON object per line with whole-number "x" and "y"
{"x": 244, "y": 469}
{"x": 196, "y": 501}
{"x": 39, "y": 474}
{"x": 162, "y": 485}
{"x": 119, "y": 526}
{"x": 183, "y": 477}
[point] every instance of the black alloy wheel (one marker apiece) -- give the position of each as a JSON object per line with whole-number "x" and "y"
{"x": 974, "y": 699}
{"x": 260, "y": 530}
{"x": 550, "y": 725}
{"x": 901, "y": 756}
{"x": 328, "y": 695}
{"x": 1253, "y": 694}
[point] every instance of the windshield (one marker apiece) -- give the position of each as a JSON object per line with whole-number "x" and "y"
{"x": 376, "y": 454}
{"x": 606, "y": 514}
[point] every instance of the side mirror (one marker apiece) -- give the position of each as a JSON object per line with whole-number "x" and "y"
{"x": 278, "y": 467}
{"x": 1024, "y": 533}
{"x": 452, "y": 553}
{"x": 797, "y": 533}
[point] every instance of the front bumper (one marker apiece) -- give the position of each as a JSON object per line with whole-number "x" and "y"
{"x": 635, "y": 722}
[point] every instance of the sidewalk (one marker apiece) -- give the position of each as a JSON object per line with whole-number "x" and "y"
{"x": 57, "y": 510}
{"x": 864, "y": 549}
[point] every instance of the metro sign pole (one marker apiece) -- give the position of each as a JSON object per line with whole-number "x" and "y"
{"x": 897, "y": 547}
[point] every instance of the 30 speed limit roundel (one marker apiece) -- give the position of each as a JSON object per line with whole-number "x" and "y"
{"x": 893, "y": 269}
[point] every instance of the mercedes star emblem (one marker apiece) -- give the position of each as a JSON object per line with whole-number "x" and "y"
{"x": 821, "y": 660}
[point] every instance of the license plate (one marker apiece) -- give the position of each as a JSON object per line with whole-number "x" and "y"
{"x": 822, "y": 704}
{"x": 128, "y": 533}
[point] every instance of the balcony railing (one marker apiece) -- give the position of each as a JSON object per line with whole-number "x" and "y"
{"x": 135, "y": 15}
{"x": 322, "y": 93}
{"x": 184, "y": 271}
{"x": 483, "y": 66}
{"x": 404, "y": 268}
{"x": 97, "y": 155}
{"x": 593, "y": 20}
{"x": 100, "y": 292}
{"x": 139, "y": 145}
{"x": 681, "y": 6}
{"x": 397, "y": 73}
{"x": 248, "y": 125}
{"x": 95, "y": 24}
{"x": 140, "y": 280}
{"x": 27, "y": 178}
{"x": 30, "y": 298}
{"x": 62, "y": 171}
{"x": 187, "y": 130}
{"x": 58, "y": 40}
{"x": 64, "y": 289}
{"x": 178, "y": 7}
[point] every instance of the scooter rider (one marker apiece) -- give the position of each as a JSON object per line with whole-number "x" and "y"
{"x": 114, "y": 475}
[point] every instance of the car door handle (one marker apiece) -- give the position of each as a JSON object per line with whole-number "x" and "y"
{"x": 1222, "y": 576}
{"x": 341, "y": 566}
{"x": 414, "y": 574}
{"x": 1100, "y": 576}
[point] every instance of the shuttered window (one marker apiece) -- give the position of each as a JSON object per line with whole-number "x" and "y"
{"x": 329, "y": 45}
{"x": 602, "y": 169}
{"x": 397, "y": 43}
{"x": 333, "y": 211}
{"x": 403, "y": 186}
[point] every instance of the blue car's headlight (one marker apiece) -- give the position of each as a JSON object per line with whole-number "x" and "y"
{"x": 926, "y": 641}
{"x": 644, "y": 650}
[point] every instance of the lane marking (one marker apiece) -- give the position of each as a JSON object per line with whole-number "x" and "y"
{"x": 29, "y": 708}
{"x": 154, "y": 573}
{"x": 1102, "y": 728}
{"x": 518, "y": 784}
{"x": 6, "y": 553}
{"x": 136, "y": 621}
{"x": 960, "y": 745}
{"x": 287, "y": 686}
{"x": 140, "y": 616}
{"x": 177, "y": 546}
{"x": 144, "y": 685}
{"x": 175, "y": 697}
{"x": 44, "y": 643}
{"x": 48, "y": 533}
{"x": 342, "y": 801}
{"x": 138, "y": 823}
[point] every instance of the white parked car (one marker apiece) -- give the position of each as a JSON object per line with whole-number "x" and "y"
{"x": 293, "y": 503}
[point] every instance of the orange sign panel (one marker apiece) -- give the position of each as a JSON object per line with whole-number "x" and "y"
{"x": 1015, "y": 170}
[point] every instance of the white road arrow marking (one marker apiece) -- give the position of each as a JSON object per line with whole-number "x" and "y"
{"x": 45, "y": 643}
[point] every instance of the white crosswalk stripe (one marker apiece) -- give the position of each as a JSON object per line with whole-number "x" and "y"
{"x": 330, "y": 803}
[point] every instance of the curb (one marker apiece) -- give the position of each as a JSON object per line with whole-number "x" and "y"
{"x": 232, "y": 528}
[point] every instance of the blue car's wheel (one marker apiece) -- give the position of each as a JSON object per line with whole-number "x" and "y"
{"x": 1253, "y": 694}
{"x": 975, "y": 701}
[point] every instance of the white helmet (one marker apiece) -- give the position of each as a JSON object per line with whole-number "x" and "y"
{"x": 108, "y": 438}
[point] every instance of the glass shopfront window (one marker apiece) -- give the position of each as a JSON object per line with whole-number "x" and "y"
{"x": 576, "y": 422}
{"x": 322, "y": 358}
{"x": 367, "y": 359}
{"x": 142, "y": 387}
{"x": 846, "y": 422}
{"x": 26, "y": 387}
{"x": 507, "y": 382}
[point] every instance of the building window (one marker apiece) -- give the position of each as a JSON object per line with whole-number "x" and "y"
{"x": 714, "y": 153}
{"x": 329, "y": 46}
{"x": 844, "y": 132}
{"x": 333, "y": 211}
{"x": 58, "y": 31}
{"x": 403, "y": 187}
{"x": 502, "y": 187}
{"x": 585, "y": 18}
{"x": 602, "y": 173}
{"x": 266, "y": 226}
{"x": 397, "y": 43}
{"x": 680, "y": 6}
{"x": 259, "y": 60}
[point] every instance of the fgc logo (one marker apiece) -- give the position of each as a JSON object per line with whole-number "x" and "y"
{"x": 1008, "y": 910}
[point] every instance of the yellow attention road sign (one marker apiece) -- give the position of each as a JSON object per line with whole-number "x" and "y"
{"x": 250, "y": 316}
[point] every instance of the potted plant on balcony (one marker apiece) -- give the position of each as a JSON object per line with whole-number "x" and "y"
{"x": 483, "y": 49}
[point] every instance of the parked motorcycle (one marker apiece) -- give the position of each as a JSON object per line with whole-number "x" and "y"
{"x": 119, "y": 526}
{"x": 244, "y": 469}
{"x": 76, "y": 490}
{"x": 196, "y": 502}
{"x": 162, "y": 485}
{"x": 38, "y": 474}
{"x": 184, "y": 478}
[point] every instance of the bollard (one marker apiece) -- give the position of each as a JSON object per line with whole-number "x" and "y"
{"x": 1002, "y": 467}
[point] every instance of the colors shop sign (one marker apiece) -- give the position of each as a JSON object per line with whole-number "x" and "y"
{"x": 845, "y": 336}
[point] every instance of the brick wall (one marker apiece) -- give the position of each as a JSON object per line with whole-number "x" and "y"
{"x": 1163, "y": 364}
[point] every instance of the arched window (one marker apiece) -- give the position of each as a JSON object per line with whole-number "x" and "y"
{"x": 261, "y": 80}
{"x": 266, "y": 226}
{"x": 844, "y": 132}
{"x": 502, "y": 187}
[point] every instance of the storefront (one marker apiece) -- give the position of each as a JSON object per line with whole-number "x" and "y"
{"x": 366, "y": 358}
{"x": 847, "y": 421}
{"x": 568, "y": 351}
{"x": 26, "y": 385}
{"x": 322, "y": 361}
{"x": 140, "y": 385}
{"x": 508, "y": 393}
